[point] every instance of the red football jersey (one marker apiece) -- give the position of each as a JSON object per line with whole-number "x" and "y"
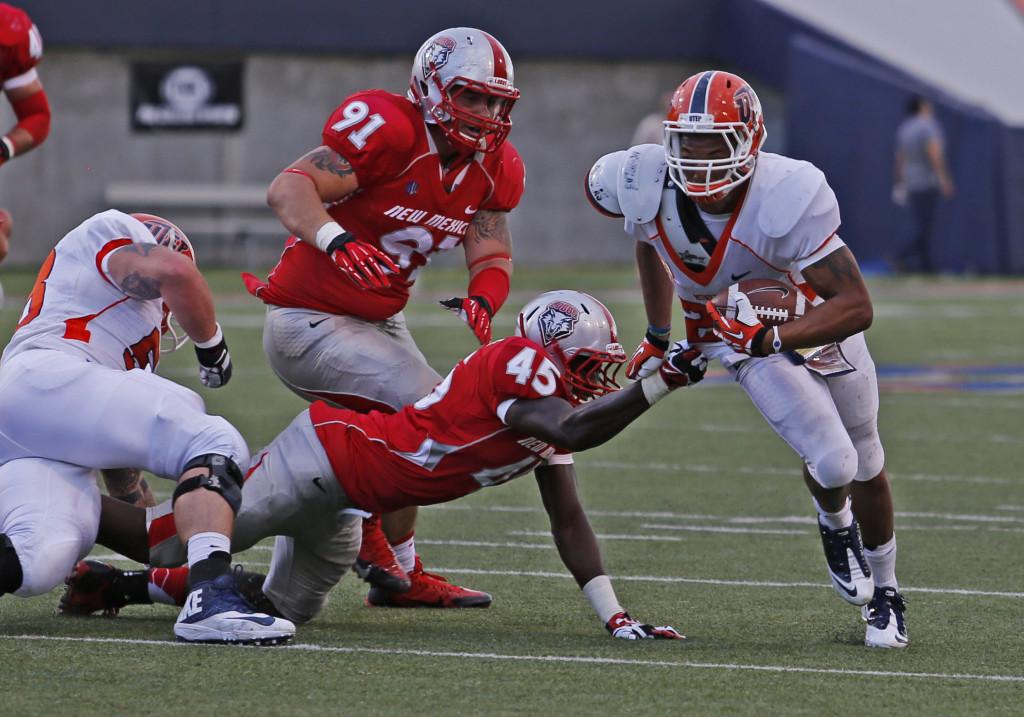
{"x": 452, "y": 441}
{"x": 402, "y": 206}
{"x": 21, "y": 46}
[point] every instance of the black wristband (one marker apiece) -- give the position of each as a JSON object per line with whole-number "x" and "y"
{"x": 656, "y": 341}
{"x": 755, "y": 345}
{"x": 210, "y": 356}
{"x": 5, "y": 152}
{"x": 339, "y": 241}
{"x": 484, "y": 303}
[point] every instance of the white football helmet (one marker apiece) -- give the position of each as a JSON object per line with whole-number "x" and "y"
{"x": 169, "y": 235}
{"x": 578, "y": 334}
{"x": 457, "y": 60}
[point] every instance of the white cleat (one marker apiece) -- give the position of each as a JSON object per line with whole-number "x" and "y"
{"x": 844, "y": 554}
{"x": 215, "y": 612}
{"x": 885, "y": 616}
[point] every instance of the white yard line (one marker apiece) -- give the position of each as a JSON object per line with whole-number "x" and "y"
{"x": 572, "y": 659}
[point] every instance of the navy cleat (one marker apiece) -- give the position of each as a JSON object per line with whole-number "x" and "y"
{"x": 851, "y": 576}
{"x": 216, "y": 612}
{"x": 887, "y": 625}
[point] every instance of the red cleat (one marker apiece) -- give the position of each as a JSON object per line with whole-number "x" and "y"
{"x": 428, "y": 590}
{"x": 92, "y": 587}
{"x": 377, "y": 563}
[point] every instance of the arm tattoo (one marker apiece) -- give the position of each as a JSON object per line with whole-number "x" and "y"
{"x": 837, "y": 269}
{"x": 140, "y": 287}
{"x": 330, "y": 161}
{"x": 491, "y": 225}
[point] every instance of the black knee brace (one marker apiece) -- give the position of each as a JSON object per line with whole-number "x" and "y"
{"x": 10, "y": 567}
{"x": 225, "y": 479}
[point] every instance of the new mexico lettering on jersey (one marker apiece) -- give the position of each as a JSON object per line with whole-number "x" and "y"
{"x": 74, "y": 306}
{"x": 452, "y": 441}
{"x": 406, "y": 205}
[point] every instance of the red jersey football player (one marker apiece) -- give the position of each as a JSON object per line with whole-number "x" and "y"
{"x": 396, "y": 180}
{"x": 515, "y": 405}
{"x": 21, "y": 48}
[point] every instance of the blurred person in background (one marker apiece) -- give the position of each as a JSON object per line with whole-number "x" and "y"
{"x": 920, "y": 175}
{"x": 650, "y": 129}
{"x": 395, "y": 180}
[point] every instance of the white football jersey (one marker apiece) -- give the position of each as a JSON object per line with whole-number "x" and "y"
{"x": 74, "y": 306}
{"x": 786, "y": 221}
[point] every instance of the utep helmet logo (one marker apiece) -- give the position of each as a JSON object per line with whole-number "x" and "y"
{"x": 558, "y": 321}
{"x": 746, "y": 101}
{"x": 437, "y": 55}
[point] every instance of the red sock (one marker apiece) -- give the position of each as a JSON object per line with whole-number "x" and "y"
{"x": 168, "y": 585}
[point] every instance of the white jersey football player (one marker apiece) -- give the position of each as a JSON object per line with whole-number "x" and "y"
{"x": 713, "y": 209}
{"x": 78, "y": 395}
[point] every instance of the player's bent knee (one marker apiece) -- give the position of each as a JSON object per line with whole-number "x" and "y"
{"x": 835, "y": 468}
{"x": 870, "y": 454}
{"x": 225, "y": 478}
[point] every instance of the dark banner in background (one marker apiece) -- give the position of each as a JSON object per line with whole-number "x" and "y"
{"x": 186, "y": 96}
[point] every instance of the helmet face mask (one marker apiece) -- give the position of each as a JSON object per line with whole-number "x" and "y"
{"x": 578, "y": 334}
{"x": 719, "y": 105}
{"x": 451, "y": 71}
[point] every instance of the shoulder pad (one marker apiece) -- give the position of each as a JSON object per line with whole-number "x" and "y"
{"x": 602, "y": 184}
{"x": 796, "y": 195}
{"x": 641, "y": 182}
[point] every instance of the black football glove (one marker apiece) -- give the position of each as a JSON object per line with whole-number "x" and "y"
{"x": 214, "y": 364}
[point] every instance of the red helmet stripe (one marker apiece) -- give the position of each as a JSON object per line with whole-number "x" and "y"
{"x": 500, "y": 66}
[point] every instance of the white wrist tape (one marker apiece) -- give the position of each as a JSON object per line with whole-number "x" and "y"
{"x": 9, "y": 145}
{"x": 601, "y": 596}
{"x": 218, "y": 336}
{"x": 655, "y": 388}
{"x": 325, "y": 234}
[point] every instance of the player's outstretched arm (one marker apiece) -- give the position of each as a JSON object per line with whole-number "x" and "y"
{"x": 846, "y": 311}
{"x": 556, "y": 421}
{"x": 658, "y": 292}
{"x": 150, "y": 271}
{"x": 577, "y": 546}
{"x": 32, "y": 109}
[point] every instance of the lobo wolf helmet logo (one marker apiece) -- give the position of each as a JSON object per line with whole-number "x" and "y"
{"x": 437, "y": 55}
{"x": 558, "y": 321}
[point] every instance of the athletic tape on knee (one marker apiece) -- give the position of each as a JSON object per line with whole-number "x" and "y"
{"x": 225, "y": 479}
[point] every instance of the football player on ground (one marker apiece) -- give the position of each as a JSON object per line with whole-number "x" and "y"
{"x": 78, "y": 395}
{"x": 714, "y": 209}
{"x": 396, "y": 180}
{"x": 513, "y": 405}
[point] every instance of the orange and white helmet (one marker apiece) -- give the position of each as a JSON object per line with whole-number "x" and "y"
{"x": 578, "y": 334}
{"x": 454, "y": 61}
{"x": 713, "y": 103}
{"x": 169, "y": 235}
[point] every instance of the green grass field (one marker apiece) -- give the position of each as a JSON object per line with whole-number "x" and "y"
{"x": 704, "y": 523}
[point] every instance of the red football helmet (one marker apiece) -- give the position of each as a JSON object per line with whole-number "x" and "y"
{"x": 578, "y": 334}
{"x": 453, "y": 62}
{"x": 713, "y": 103}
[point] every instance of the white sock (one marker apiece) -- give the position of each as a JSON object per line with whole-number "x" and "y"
{"x": 406, "y": 553}
{"x": 836, "y": 521}
{"x": 882, "y": 561}
{"x": 202, "y": 545}
{"x": 601, "y": 596}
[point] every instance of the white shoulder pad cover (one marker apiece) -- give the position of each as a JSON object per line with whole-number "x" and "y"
{"x": 641, "y": 182}
{"x": 603, "y": 183}
{"x": 802, "y": 194}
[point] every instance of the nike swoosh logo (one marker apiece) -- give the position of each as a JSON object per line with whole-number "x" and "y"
{"x": 471, "y": 210}
{"x": 851, "y": 591}
{"x": 314, "y": 324}
{"x": 738, "y": 337}
{"x": 316, "y": 482}
{"x": 264, "y": 621}
{"x": 737, "y": 277}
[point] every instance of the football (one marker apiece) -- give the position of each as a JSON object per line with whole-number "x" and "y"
{"x": 774, "y": 302}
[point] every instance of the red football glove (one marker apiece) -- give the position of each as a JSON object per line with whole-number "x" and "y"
{"x": 647, "y": 357}
{"x": 362, "y": 263}
{"x": 623, "y": 627}
{"x": 745, "y": 333}
{"x": 476, "y": 312}
{"x": 684, "y": 366}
